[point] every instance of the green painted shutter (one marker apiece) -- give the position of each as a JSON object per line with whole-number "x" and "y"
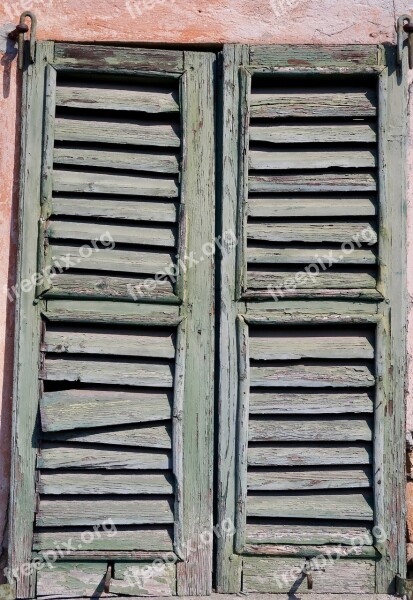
{"x": 312, "y": 321}
{"x": 114, "y": 352}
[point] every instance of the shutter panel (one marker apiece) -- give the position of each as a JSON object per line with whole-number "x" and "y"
{"x": 123, "y": 399}
{"x": 312, "y": 459}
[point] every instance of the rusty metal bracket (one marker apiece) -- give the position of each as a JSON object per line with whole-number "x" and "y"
{"x": 19, "y": 33}
{"x": 307, "y": 572}
{"x": 108, "y": 578}
{"x": 404, "y": 26}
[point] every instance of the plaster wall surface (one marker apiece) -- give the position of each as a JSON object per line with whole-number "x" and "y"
{"x": 165, "y": 22}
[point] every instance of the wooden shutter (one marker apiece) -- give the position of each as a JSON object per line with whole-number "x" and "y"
{"x": 312, "y": 366}
{"x": 113, "y": 393}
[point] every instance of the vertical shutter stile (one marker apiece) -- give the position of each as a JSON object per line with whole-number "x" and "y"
{"x": 121, "y": 480}
{"x": 316, "y": 410}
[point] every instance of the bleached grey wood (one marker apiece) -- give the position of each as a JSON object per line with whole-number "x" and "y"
{"x": 55, "y": 456}
{"x": 274, "y": 102}
{"x": 304, "y": 429}
{"x": 111, "y": 183}
{"x": 301, "y": 312}
{"x": 310, "y": 133}
{"x": 101, "y": 208}
{"x": 315, "y": 56}
{"x": 335, "y": 506}
{"x": 313, "y": 182}
{"x": 312, "y": 206}
{"x": 150, "y": 344}
{"x": 283, "y": 279}
{"x": 102, "y": 484}
{"x": 117, "y": 131}
{"x": 109, "y": 159}
{"x": 318, "y": 533}
{"x": 127, "y": 313}
{"x": 311, "y": 159}
{"x": 287, "y": 255}
{"x": 178, "y": 437}
{"x": 280, "y": 455}
{"x": 71, "y": 512}
{"x": 142, "y": 579}
{"x": 122, "y": 372}
{"x": 143, "y": 98}
{"x": 335, "y": 552}
{"x": 313, "y": 232}
{"x": 293, "y": 403}
{"x": 344, "y": 293}
{"x": 283, "y": 575}
{"x": 138, "y": 538}
{"x": 105, "y": 259}
{"x": 83, "y": 408}
{"x": 320, "y": 375}
{"x": 158, "y": 436}
{"x": 303, "y": 479}
{"x": 286, "y": 345}
{"x": 72, "y": 579}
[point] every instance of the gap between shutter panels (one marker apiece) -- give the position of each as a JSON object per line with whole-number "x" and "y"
{"x": 116, "y": 166}
{"x": 310, "y": 434}
{"x": 312, "y": 183}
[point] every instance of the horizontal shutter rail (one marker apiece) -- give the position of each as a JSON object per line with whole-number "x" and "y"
{"x": 273, "y": 102}
{"x": 96, "y": 407}
{"x": 312, "y": 505}
{"x": 97, "y": 483}
{"x": 133, "y": 538}
{"x": 69, "y": 512}
{"x": 306, "y": 55}
{"x": 311, "y": 206}
{"x": 159, "y": 211}
{"x": 277, "y": 479}
{"x": 106, "y": 96}
{"x": 127, "y": 160}
{"x": 72, "y": 456}
{"x": 147, "y": 436}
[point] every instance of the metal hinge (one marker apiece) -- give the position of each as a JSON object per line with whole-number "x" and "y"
{"x": 18, "y": 34}
{"x": 404, "y": 28}
{"x": 404, "y": 587}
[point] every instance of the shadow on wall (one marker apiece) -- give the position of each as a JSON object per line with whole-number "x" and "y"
{"x": 7, "y": 389}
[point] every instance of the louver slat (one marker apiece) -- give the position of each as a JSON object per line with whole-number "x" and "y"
{"x": 309, "y": 134}
{"x": 101, "y": 484}
{"x": 299, "y": 479}
{"x": 133, "y": 161}
{"x": 308, "y": 206}
{"x": 103, "y": 208}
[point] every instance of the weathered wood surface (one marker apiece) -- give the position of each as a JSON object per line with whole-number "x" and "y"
{"x": 283, "y": 575}
{"x": 299, "y": 312}
{"x": 309, "y": 133}
{"x": 83, "y": 408}
{"x": 320, "y": 375}
{"x": 300, "y": 479}
{"x": 336, "y": 506}
{"x": 351, "y": 293}
{"x": 312, "y": 206}
{"x": 138, "y": 538}
{"x": 117, "y": 131}
{"x": 316, "y": 533}
{"x": 337, "y": 55}
{"x": 335, "y": 280}
{"x": 335, "y": 552}
{"x": 274, "y": 102}
{"x": 307, "y": 256}
{"x": 313, "y": 182}
{"x": 149, "y": 262}
{"x": 126, "y": 313}
{"x": 114, "y": 59}
{"x": 102, "y": 208}
{"x": 315, "y": 429}
{"x": 158, "y": 436}
{"x": 109, "y": 96}
{"x": 144, "y": 579}
{"x": 290, "y": 455}
{"x": 65, "y": 456}
{"x": 313, "y": 232}
{"x": 311, "y": 159}
{"x": 68, "y": 285}
{"x": 52, "y": 483}
{"x": 111, "y": 183}
{"x": 113, "y": 372}
{"x": 295, "y": 345}
{"x": 109, "y": 159}
{"x": 72, "y": 512}
{"x": 89, "y": 340}
{"x": 120, "y": 234}
{"x": 71, "y": 579}
{"x": 292, "y": 403}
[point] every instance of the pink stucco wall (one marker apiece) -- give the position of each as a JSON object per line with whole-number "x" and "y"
{"x": 165, "y": 21}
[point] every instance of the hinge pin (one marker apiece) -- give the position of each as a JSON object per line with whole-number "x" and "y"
{"x": 18, "y": 34}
